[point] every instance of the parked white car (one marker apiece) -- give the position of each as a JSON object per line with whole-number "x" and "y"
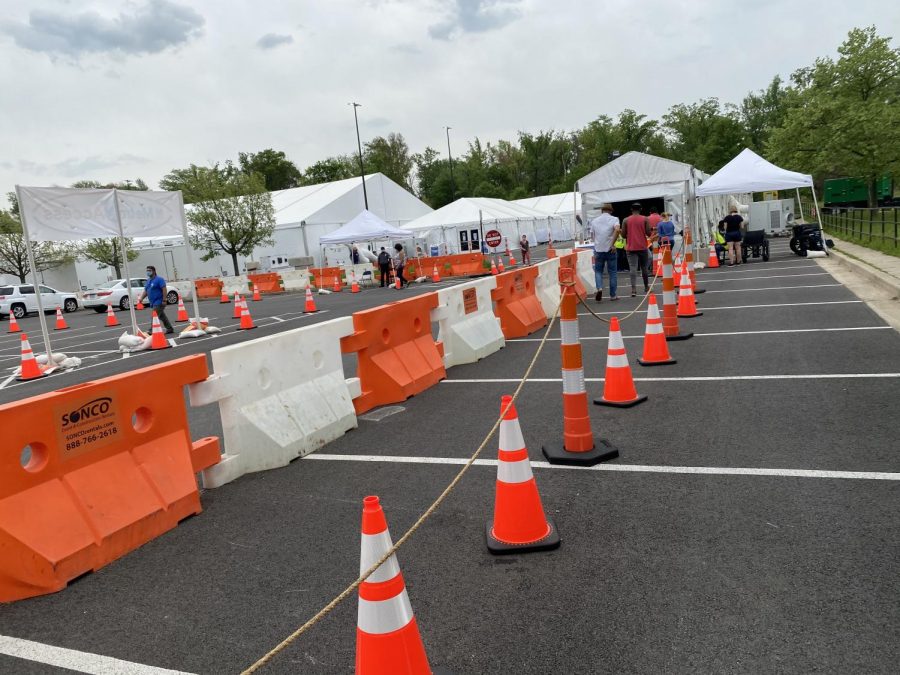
{"x": 20, "y": 299}
{"x": 116, "y": 293}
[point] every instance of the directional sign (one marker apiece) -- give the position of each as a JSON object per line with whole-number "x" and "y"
{"x": 492, "y": 238}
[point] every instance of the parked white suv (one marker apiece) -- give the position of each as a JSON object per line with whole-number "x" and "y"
{"x": 19, "y": 299}
{"x": 116, "y": 294}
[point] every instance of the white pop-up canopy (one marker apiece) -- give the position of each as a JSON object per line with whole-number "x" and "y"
{"x": 748, "y": 172}
{"x": 366, "y": 226}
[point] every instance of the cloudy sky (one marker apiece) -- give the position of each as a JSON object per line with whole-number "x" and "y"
{"x": 113, "y": 89}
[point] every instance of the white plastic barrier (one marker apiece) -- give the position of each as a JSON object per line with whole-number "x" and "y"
{"x": 547, "y": 289}
{"x": 466, "y": 322}
{"x": 358, "y": 271}
{"x": 295, "y": 280}
{"x": 232, "y": 284}
{"x": 585, "y": 269}
{"x": 280, "y": 397}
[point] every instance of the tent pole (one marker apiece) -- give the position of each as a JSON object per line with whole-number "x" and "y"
{"x": 190, "y": 258}
{"x": 45, "y": 333}
{"x": 134, "y": 324}
{"x": 819, "y": 218}
{"x": 799, "y": 203}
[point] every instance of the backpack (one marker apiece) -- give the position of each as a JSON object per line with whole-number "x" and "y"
{"x": 384, "y": 258}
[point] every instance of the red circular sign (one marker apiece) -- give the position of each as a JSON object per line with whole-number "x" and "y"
{"x": 493, "y": 238}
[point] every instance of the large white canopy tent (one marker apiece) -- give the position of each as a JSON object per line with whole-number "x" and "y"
{"x": 477, "y": 215}
{"x": 366, "y": 226}
{"x": 72, "y": 214}
{"x": 563, "y": 205}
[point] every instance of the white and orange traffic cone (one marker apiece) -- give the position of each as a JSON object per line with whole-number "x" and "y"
{"x": 670, "y": 301}
{"x": 29, "y": 370}
{"x": 387, "y": 635}
{"x": 13, "y": 324}
{"x": 713, "y": 262}
{"x": 656, "y": 349}
{"x": 618, "y": 385}
{"x": 246, "y": 319}
{"x": 354, "y": 284}
{"x": 60, "y": 321}
{"x": 397, "y": 283}
{"x": 139, "y": 305}
{"x": 551, "y": 252}
{"x": 579, "y": 447}
{"x": 435, "y": 276}
{"x": 157, "y": 339}
{"x": 494, "y": 270}
{"x": 500, "y": 267}
{"x": 659, "y": 257}
{"x": 238, "y": 303}
{"x": 256, "y": 296}
{"x": 310, "y": 303}
{"x": 519, "y": 523}
{"x": 337, "y": 286}
{"x": 687, "y": 307}
{"x": 111, "y": 319}
{"x": 224, "y": 299}
{"x": 182, "y": 311}
{"x": 689, "y": 262}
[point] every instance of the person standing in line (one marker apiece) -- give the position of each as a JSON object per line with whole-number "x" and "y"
{"x": 637, "y": 229}
{"x": 654, "y": 219}
{"x": 384, "y": 266}
{"x": 604, "y": 229}
{"x": 525, "y": 249}
{"x": 400, "y": 264}
{"x": 354, "y": 255}
{"x": 665, "y": 231}
{"x": 732, "y": 223}
{"x": 155, "y": 294}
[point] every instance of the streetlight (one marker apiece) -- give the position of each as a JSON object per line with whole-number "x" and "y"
{"x": 362, "y": 170}
{"x": 450, "y": 156}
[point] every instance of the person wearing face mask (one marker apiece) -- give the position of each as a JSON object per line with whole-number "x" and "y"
{"x": 155, "y": 294}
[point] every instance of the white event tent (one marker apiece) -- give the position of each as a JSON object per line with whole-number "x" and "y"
{"x": 748, "y": 172}
{"x": 461, "y": 225}
{"x": 364, "y": 227}
{"x": 563, "y": 205}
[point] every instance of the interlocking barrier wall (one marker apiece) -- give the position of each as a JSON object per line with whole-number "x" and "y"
{"x": 467, "y": 325}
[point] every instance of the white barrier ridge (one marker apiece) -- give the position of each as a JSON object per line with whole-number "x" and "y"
{"x": 466, "y": 322}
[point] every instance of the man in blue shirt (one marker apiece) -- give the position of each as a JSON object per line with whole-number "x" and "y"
{"x": 155, "y": 294}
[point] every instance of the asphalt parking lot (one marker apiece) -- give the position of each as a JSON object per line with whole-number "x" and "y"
{"x": 749, "y": 526}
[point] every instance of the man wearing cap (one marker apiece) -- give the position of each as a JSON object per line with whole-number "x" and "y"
{"x": 604, "y": 229}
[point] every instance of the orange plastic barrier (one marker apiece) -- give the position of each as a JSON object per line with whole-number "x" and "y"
{"x": 397, "y": 356}
{"x": 458, "y": 265}
{"x": 266, "y": 283}
{"x": 111, "y": 467}
{"x": 323, "y": 277}
{"x": 570, "y": 261}
{"x": 516, "y": 303}
{"x": 208, "y": 288}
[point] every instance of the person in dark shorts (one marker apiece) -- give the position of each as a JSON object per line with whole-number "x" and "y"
{"x": 732, "y": 223}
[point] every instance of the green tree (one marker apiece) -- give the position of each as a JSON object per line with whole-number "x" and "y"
{"x": 845, "y": 120}
{"x": 704, "y": 134}
{"x": 331, "y": 169}
{"x": 391, "y": 157}
{"x": 126, "y": 184}
{"x": 432, "y": 178}
{"x": 763, "y": 111}
{"x": 193, "y": 180}
{"x": 106, "y": 252}
{"x": 278, "y": 172}
{"x": 14, "y": 255}
{"x": 233, "y": 214}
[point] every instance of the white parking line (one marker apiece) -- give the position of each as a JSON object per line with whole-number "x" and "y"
{"x": 779, "y": 304}
{"x": 746, "y": 332}
{"x": 773, "y": 276}
{"x": 81, "y": 662}
{"x": 698, "y": 378}
{"x": 773, "y": 288}
{"x": 636, "y": 468}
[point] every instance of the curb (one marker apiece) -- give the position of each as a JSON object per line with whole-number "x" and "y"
{"x": 884, "y": 281}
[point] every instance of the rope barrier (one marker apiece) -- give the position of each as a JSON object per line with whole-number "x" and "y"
{"x": 322, "y": 613}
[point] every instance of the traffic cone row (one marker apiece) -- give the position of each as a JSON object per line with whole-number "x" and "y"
{"x": 670, "y": 303}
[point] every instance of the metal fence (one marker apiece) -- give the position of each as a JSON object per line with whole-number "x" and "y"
{"x": 864, "y": 225}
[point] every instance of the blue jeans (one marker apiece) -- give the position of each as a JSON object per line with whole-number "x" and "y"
{"x": 609, "y": 259}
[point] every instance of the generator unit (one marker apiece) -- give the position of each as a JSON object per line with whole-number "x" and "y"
{"x": 775, "y": 216}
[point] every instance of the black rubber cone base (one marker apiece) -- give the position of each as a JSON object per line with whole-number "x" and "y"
{"x": 680, "y": 336}
{"x": 698, "y": 291}
{"x": 602, "y": 452}
{"x": 657, "y": 363}
{"x": 689, "y": 316}
{"x": 498, "y": 547}
{"x": 618, "y": 404}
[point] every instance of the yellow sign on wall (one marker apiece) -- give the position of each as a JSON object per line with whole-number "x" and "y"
{"x": 769, "y": 195}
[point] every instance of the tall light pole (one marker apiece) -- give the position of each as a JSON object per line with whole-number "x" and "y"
{"x": 362, "y": 170}
{"x": 450, "y": 157}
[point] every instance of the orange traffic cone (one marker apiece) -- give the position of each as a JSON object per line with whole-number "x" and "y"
{"x": 687, "y": 308}
{"x": 224, "y": 299}
{"x": 579, "y": 447}
{"x": 30, "y": 370}
{"x": 519, "y": 523}
{"x": 111, "y": 319}
{"x": 551, "y": 252}
{"x": 435, "y": 276}
{"x": 494, "y": 271}
{"x": 387, "y": 635}
{"x": 397, "y": 283}
{"x": 246, "y": 319}
{"x": 13, "y": 324}
{"x": 713, "y": 262}
{"x": 337, "y": 286}
{"x": 670, "y": 303}
{"x": 60, "y": 321}
{"x": 354, "y": 284}
{"x": 656, "y": 349}
{"x": 157, "y": 339}
{"x": 238, "y": 302}
{"x": 657, "y": 271}
{"x": 310, "y": 303}
{"x": 139, "y": 305}
{"x": 182, "y": 312}
{"x": 500, "y": 266}
{"x": 256, "y": 296}
{"x": 618, "y": 387}
{"x": 689, "y": 262}
{"x": 512, "y": 260}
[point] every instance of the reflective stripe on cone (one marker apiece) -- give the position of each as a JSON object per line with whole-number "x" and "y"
{"x": 618, "y": 385}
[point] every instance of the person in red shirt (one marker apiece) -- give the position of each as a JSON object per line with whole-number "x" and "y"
{"x": 654, "y": 218}
{"x": 636, "y": 229}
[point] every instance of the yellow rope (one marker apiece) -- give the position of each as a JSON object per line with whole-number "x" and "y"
{"x": 402, "y": 540}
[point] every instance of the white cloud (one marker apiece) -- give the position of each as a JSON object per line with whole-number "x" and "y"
{"x": 475, "y": 16}
{"x": 272, "y": 40}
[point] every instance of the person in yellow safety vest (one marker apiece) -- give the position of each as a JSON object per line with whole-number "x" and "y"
{"x": 621, "y": 255}
{"x": 719, "y": 239}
